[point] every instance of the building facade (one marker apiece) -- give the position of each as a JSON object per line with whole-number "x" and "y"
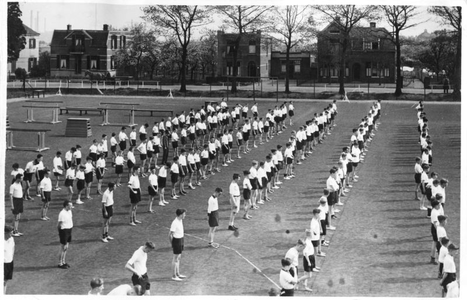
{"x": 29, "y": 56}
{"x": 370, "y": 55}
{"x": 75, "y": 51}
{"x": 253, "y": 54}
{"x": 301, "y": 65}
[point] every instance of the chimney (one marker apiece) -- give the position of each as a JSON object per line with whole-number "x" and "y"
{"x": 373, "y": 24}
{"x": 106, "y": 27}
{"x": 68, "y": 27}
{"x": 37, "y": 21}
{"x": 30, "y": 23}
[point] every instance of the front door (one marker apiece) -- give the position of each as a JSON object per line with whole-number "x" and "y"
{"x": 77, "y": 64}
{"x": 252, "y": 69}
{"x": 356, "y": 72}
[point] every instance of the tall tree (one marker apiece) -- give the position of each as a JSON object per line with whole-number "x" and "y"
{"x": 294, "y": 25}
{"x": 452, "y": 16}
{"x": 16, "y": 31}
{"x": 242, "y": 18}
{"x": 179, "y": 19}
{"x": 440, "y": 53}
{"x": 399, "y": 17}
{"x": 208, "y": 53}
{"x": 345, "y": 18}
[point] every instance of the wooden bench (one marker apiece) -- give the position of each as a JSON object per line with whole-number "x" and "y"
{"x": 30, "y": 113}
{"x": 38, "y": 92}
{"x": 80, "y": 109}
{"x": 40, "y": 139}
{"x": 155, "y": 110}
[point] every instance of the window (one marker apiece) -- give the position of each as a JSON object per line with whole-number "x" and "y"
{"x": 229, "y": 68}
{"x": 238, "y": 68}
{"x": 296, "y": 66}
{"x": 32, "y": 43}
{"x": 78, "y": 41}
{"x": 334, "y": 72}
{"x": 386, "y": 72}
{"x": 374, "y": 70}
{"x": 283, "y": 67}
{"x": 112, "y": 62}
{"x": 367, "y": 45}
{"x": 122, "y": 41}
{"x": 113, "y": 42}
{"x": 334, "y": 31}
{"x": 93, "y": 62}
{"x": 346, "y": 71}
{"x": 252, "y": 47}
{"x": 368, "y": 69}
{"x": 32, "y": 62}
{"x": 375, "y": 45}
{"x": 62, "y": 61}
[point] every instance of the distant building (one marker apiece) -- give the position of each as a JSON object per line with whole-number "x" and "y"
{"x": 253, "y": 54}
{"x": 29, "y": 56}
{"x": 370, "y": 56}
{"x": 425, "y": 36}
{"x": 73, "y": 51}
{"x": 302, "y": 65}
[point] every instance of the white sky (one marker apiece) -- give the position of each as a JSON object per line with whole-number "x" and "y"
{"x": 93, "y": 14}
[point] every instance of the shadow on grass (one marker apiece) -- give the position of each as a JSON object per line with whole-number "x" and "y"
{"x": 273, "y": 257}
{"x": 74, "y": 242}
{"x": 403, "y": 226}
{"x": 402, "y": 264}
{"x": 28, "y": 269}
{"x": 404, "y": 280}
{"x": 404, "y": 252}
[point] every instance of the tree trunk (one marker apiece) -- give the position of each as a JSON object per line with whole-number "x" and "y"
{"x": 398, "y": 91}
{"x": 233, "y": 90}
{"x": 183, "y": 70}
{"x": 342, "y": 67}
{"x": 287, "y": 58}
{"x": 457, "y": 69}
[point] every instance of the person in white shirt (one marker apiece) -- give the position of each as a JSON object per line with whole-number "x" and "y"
{"x": 97, "y": 287}
{"x": 288, "y": 155}
{"x": 333, "y": 187}
{"x": 107, "y": 210}
{"x": 174, "y": 177}
{"x": 119, "y": 163}
{"x": 152, "y": 188}
{"x": 143, "y": 132}
{"x": 234, "y": 198}
{"x": 213, "y": 216}
{"x": 65, "y": 225}
{"x": 122, "y": 138}
{"x": 308, "y": 261}
{"x": 183, "y": 169}
{"x": 291, "y": 112}
{"x": 89, "y": 170}
{"x": 39, "y": 170}
{"x": 292, "y": 255}
{"x": 436, "y": 211}
{"x": 443, "y": 183}
{"x": 262, "y": 184}
{"x": 8, "y": 255}
{"x": 287, "y": 281}
{"x": 113, "y": 147}
{"x": 315, "y": 227}
{"x": 70, "y": 177}
{"x": 46, "y": 192}
{"x": 443, "y": 251}
{"x": 16, "y": 199}
{"x": 131, "y": 160}
{"x": 162, "y": 182}
{"x": 449, "y": 268}
{"x": 69, "y": 157}
{"x": 143, "y": 151}
{"x": 150, "y": 151}
{"x": 137, "y": 265}
{"x": 253, "y": 176}
{"x": 80, "y": 183}
{"x": 126, "y": 290}
{"x": 100, "y": 172}
{"x": 57, "y": 169}
{"x": 176, "y": 235}
{"x": 93, "y": 152}
{"x": 135, "y": 195}
{"x": 133, "y": 136}
{"x": 105, "y": 147}
{"x": 423, "y": 182}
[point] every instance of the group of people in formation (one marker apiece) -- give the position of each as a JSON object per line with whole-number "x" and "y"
{"x": 430, "y": 191}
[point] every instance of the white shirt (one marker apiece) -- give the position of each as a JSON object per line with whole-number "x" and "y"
{"x": 152, "y": 179}
{"x": 177, "y": 228}
{"x": 142, "y": 148}
{"x": 234, "y": 189}
{"x": 285, "y": 278}
{"x": 119, "y": 160}
{"x": 68, "y": 156}
{"x": 443, "y": 251}
{"x": 138, "y": 260}
{"x": 435, "y": 213}
{"x": 8, "y": 250}
{"x": 16, "y": 190}
{"x": 131, "y": 156}
{"x": 134, "y": 182}
{"x": 93, "y": 148}
{"x": 441, "y": 232}
{"x": 46, "y": 184}
{"x": 66, "y": 217}
{"x": 449, "y": 265}
{"x": 121, "y": 290}
{"x": 331, "y": 184}
{"x": 315, "y": 230}
{"x": 309, "y": 249}
{"x": 100, "y": 163}
{"x": 293, "y": 254}
{"x": 162, "y": 172}
{"x": 122, "y": 136}
{"x": 70, "y": 174}
{"x": 142, "y": 129}
{"x": 113, "y": 141}
{"x": 108, "y": 198}
{"x": 133, "y": 135}
{"x": 212, "y": 204}
{"x": 79, "y": 174}
{"x": 58, "y": 164}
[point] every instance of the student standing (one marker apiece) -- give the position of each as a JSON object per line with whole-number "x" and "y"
{"x": 100, "y": 172}
{"x": 293, "y": 255}
{"x": 234, "y": 192}
{"x": 57, "y": 169}
{"x": 176, "y": 235}
{"x": 8, "y": 255}
{"x": 286, "y": 280}
{"x": 65, "y": 226}
{"x": 107, "y": 210}
{"x": 449, "y": 269}
{"x": 135, "y": 195}
{"x": 46, "y": 192}
{"x": 80, "y": 183}
{"x": 16, "y": 198}
{"x": 213, "y": 216}
{"x": 152, "y": 188}
{"x": 162, "y": 182}
{"x": 137, "y": 265}
{"x": 122, "y": 138}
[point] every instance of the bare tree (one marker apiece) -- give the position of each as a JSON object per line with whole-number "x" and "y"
{"x": 242, "y": 18}
{"x": 346, "y": 17}
{"x": 295, "y": 25}
{"x": 398, "y": 17}
{"x": 452, "y": 15}
{"x": 179, "y": 19}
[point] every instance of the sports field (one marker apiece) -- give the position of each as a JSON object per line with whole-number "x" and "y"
{"x": 381, "y": 246}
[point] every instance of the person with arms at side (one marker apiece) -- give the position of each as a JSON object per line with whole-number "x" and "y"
{"x": 107, "y": 210}
{"x": 137, "y": 265}
{"x": 16, "y": 198}
{"x": 135, "y": 195}
{"x": 213, "y": 216}
{"x": 8, "y": 254}
{"x": 176, "y": 235}
{"x": 65, "y": 226}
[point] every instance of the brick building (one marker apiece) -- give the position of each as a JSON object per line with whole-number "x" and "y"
{"x": 370, "y": 55}
{"x": 253, "y": 54}
{"x": 302, "y": 65}
{"x": 73, "y": 51}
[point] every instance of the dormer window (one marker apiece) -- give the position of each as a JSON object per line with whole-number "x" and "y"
{"x": 32, "y": 43}
{"x": 252, "y": 47}
{"x": 334, "y": 31}
{"x": 122, "y": 41}
{"x": 113, "y": 42}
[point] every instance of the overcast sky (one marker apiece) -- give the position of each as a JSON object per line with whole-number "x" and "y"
{"x": 92, "y": 14}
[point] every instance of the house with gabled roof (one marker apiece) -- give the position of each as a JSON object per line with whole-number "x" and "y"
{"x": 74, "y": 51}
{"x": 29, "y": 56}
{"x": 370, "y": 56}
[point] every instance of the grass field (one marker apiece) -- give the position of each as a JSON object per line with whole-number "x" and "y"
{"x": 380, "y": 248}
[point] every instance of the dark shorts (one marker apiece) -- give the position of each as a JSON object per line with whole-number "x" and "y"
{"x": 245, "y": 136}
{"x": 88, "y": 177}
{"x": 28, "y": 177}
{"x": 47, "y": 197}
{"x": 213, "y": 219}
{"x": 449, "y": 278}
{"x": 175, "y": 144}
{"x": 57, "y": 174}
{"x": 143, "y": 156}
{"x": 142, "y": 136}
{"x": 143, "y": 282}
{"x": 156, "y": 149}
{"x": 254, "y": 183}
{"x": 289, "y": 160}
{"x": 122, "y": 145}
{"x": 119, "y": 169}
{"x": 212, "y": 155}
{"x": 130, "y": 164}
{"x": 18, "y": 204}
{"x": 174, "y": 178}
{"x": 68, "y": 182}
{"x": 418, "y": 178}
{"x": 290, "y": 113}
{"x": 65, "y": 236}
{"x": 161, "y": 182}
{"x": 133, "y": 143}
{"x": 80, "y": 184}
{"x": 434, "y": 234}
{"x": 331, "y": 198}
{"x": 204, "y": 161}
{"x": 8, "y": 271}
{"x": 152, "y": 190}
{"x": 323, "y": 226}
{"x": 93, "y": 156}
{"x": 150, "y": 154}
{"x": 280, "y": 165}
{"x": 109, "y": 210}
{"x": 135, "y": 198}
{"x": 177, "y": 245}
{"x": 315, "y": 243}
{"x": 113, "y": 148}
{"x": 349, "y": 167}
{"x": 99, "y": 173}
{"x": 355, "y": 164}
{"x": 225, "y": 149}
{"x": 266, "y": 129}
{"x": 309, "y": 267}
{"x": 239, "y": 142}
{"x": 264, "y": 182}
{"x": 246, "y": 194}
{"x": 299, "y": 145}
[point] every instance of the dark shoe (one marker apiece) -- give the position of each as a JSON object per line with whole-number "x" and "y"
{"x": 231, "y": 228}
{"x": 62, "y": 266}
